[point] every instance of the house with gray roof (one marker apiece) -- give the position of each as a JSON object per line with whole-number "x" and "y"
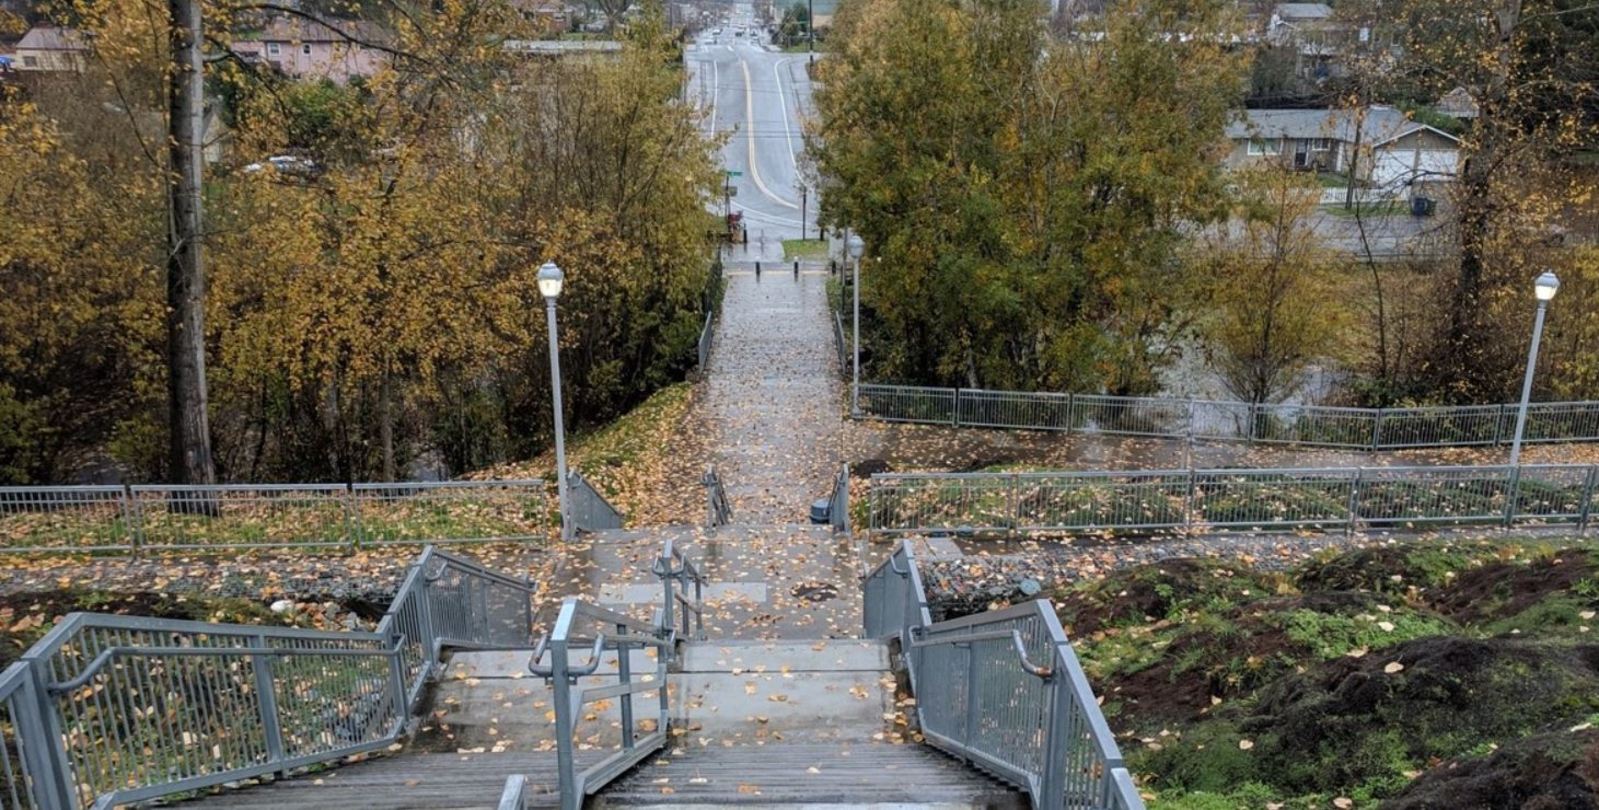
{"x": 1393, "y": 151}
{"x": 51, "y": 48}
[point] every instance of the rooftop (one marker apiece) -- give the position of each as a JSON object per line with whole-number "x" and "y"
{"x": 1303, "y": 11}
{"x": 52, "y": 38}
{"x": 298, "y": 29}
{"x": 1382, "y": 124}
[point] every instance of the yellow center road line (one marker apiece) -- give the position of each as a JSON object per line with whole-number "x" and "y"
{"x": 749, "y": 132}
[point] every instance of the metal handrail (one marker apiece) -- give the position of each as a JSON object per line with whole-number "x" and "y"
{"x": 514, "y": 795}
{"x": 107, "y": 655}
{"x": 719, "y": 511}
{"x": 673, "y": 566}
{"x": 1035, "y": 725}
{"x": 577, "y": 784}
{"x": 1014, "y": 636}
{"x": 246, "y": 695}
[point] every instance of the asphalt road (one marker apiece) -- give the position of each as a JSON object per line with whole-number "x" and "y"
{"x": 758, "y": 98}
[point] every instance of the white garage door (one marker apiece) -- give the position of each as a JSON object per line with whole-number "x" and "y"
{"x": 1398, "y": 168}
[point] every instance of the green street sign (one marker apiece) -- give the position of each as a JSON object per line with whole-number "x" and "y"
{"x": 731, "y": 173}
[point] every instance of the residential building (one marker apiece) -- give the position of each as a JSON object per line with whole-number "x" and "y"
{"x": 1313, "y": 34}
{"x": 549, "y": 17}
{"x": 51, "y": 48}
{"x": 1393, "y": 150}
{"x": 564, "y": 48}
{"x": 310, "y": 49}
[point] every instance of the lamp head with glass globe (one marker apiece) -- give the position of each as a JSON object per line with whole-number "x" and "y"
{"x": 550, "y": 280}
{"x": 1546, "y": 286}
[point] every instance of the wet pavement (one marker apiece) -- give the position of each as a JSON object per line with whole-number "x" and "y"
{"x": 774, "y": 581}
{"x": 773, "y": 394}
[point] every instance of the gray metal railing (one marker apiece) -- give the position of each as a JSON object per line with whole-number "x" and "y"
{"x": 22, "y": 739}
{"x": 514, "y": 795}
{"x": 707, "y": 335}
{"x": 838, "y": 510}
{"x": 257, "y": 516}
{"x": 842, "y": 344}
{"x": 584, "y": 628}
{"x": 1347, "y": 498}
{"x": 591, "y": 512}
{"x": 1004, "y": 691}
{"x": 680, "y": 578}
{"x": 110, "y": 710}
{"x": 1311, "y": 425}
{"x": 718, "y": 509}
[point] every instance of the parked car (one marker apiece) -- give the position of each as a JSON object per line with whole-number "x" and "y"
{"x": 288, "y": 164}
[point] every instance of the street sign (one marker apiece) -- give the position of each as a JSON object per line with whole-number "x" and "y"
{"x": 732, "y": 191}
{"x": 731, "y": 173}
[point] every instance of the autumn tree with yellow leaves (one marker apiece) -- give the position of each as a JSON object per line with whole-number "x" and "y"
{"x": 381, "y": 307}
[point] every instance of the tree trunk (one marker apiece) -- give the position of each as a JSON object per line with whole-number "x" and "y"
{"x": 386, "y": 421}
{"x": 190, "y": 434}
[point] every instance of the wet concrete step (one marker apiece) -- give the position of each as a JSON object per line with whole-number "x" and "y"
{"x": 409, "y": 781}
{"x": 816, "y": 775}
{"x": 761, "y": 692}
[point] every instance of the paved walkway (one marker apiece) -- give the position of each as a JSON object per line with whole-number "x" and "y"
{"x": 773, "y": 394}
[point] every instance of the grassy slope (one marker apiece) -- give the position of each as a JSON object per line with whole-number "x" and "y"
{"x": 1344, "y": 679}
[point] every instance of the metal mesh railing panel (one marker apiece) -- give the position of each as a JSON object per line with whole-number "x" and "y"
{"x": 591, "y": 512}
{"x": 452, "y": 511}
{"x": 957, "y": 502}
{"x": 1009, "y": 409}
{"x": 1129, "y": 416}
{"x": 898, "y": 403}
{"x": 1273, "y": 499}
{"x": 1312, "y": 425}
{"x": 66, "y": 519}
{"x": 240, "y": 516}
{"x": 1089, "y": 502}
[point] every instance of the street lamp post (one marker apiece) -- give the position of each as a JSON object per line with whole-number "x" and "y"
{"x": 1545, "y": 287}
{"x": 550, "y": 280}
{"x": 856, "y": 247}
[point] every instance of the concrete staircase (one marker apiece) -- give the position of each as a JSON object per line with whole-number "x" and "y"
{"x": 756, "y": 723}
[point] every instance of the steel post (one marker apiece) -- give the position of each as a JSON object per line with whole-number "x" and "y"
{"x": 267, "y": 702}
{"x": 855, "y": 344}
{"x": 1587, "y": 498}
{"x": 1526, "y": 383}
{"x": 560, "y": 426}
{"x": 624, "y": 673}
{"x": 565, "y": 766}
{"x": 1354, "y": 502}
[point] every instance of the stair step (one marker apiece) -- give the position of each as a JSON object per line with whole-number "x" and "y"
{"x": 795, "y": 655}
{"x": 862, "y": 775}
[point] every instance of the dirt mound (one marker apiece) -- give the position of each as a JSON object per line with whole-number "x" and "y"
{"x": 1253, "y": 644}
{"x": 1382, "y": 569}
{"x": 1158, "y": 591}
{"x": 1502, "y": 590}
{"x": 1369, "y": 720}
{"x": 1557, "y": 771}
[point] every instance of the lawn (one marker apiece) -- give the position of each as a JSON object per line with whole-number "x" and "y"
{"x": 804, "y": 249}
{"x": 1375, "y": 208}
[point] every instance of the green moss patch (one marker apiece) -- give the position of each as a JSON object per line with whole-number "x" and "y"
{"x": 1556, "y": 770}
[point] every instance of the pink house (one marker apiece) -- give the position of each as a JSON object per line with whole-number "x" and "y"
{"x": 307, "y": 49}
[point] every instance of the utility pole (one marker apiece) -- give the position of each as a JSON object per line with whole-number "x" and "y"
{"x": 805, "y": 194}
{"x": 810, "y": 42}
